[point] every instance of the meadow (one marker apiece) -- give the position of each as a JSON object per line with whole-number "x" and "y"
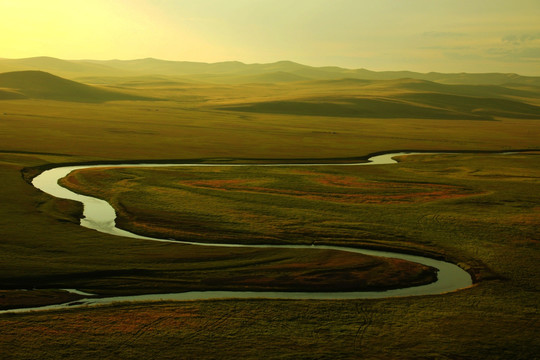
{"x": 478, "y": 209}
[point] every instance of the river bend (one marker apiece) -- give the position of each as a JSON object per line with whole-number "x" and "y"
{"x": 100, "y": 215}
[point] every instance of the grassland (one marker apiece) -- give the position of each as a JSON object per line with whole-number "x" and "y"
{"x": 381, "y": 207}
{"x": 493, "y": 229}
{"x": 479, "y": 210}
{"x": 191, "y": 127}
{"x": 42, "y": 85}
{"x": 121, "y": 266}
{"x": 456, "y": 326}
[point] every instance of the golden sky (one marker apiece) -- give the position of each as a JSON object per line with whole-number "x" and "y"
{"x": 418, "y": 35}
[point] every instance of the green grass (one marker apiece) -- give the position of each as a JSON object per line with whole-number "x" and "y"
{"x": 150, "y": 130}
{"x": 491, "y": 227}
{"x": 430, "y": 205}
{"x": 457, "y": 326}
{"x": 68, "y": 256}
{"x": 189, "y": 123}
{"x": 356, "y": 107}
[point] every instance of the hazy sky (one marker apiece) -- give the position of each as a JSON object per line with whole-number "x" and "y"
{"x": 419, "y": 35}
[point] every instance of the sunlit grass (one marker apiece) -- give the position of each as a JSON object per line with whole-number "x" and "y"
{"x": 481, "y": 211}
{"x": 439, "y": 204}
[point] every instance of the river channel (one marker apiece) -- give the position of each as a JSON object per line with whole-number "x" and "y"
{"x": 100, "y": 215}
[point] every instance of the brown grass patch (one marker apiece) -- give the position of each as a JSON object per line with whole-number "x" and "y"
{"x": 366, "y": 192}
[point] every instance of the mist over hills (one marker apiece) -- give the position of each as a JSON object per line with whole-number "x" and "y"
{"x": 237, "y": 72}
{"x": 279, "y": 88}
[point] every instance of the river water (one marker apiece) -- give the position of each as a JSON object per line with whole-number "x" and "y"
{"x": 99, "y": 215}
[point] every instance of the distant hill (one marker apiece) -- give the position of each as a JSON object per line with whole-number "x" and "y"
{"x": 64, "y": 68}
{"x": 406, "y": 98}
{"x": 42, "y": 85}
{"x": 354, "y": 107}
{"x": 264, "y": 78}
{"x": 416, "y": 85}
{"x": 345, "y": 97}
{"x": 237, "y": 72}
{"x": 452, "y": 78}
{"x": 6, "y": 94}
{"x": 420, "y": 106}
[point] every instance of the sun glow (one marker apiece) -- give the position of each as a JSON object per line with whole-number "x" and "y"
{"x": 384, "y": 35}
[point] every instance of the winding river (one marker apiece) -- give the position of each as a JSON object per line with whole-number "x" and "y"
{"x": 99, "y": 215}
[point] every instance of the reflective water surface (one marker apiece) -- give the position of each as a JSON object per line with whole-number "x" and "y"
{"x": 99, "y": 215}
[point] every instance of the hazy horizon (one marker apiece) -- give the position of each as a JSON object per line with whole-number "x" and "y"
{"x": 417, "y": 35}
{"x": 257, "y": 63}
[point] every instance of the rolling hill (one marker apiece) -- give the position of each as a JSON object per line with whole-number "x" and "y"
{"x": 42, "y": 85}
{"x": 7, "y": 94}
{"x": 405, "y": 98}
{"x": 237, "y": 69}
{"x": 70, "y": 69}
{"x": 237, "y": 72}
{"x": 354, "y": 107}
{"x": 417, "y": 85}
{"x": 294, "y": 93}
{"x": 417, "y": 106}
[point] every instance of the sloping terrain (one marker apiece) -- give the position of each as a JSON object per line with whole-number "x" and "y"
{"x": 405, "y": 98}
{"x": 291, "y": 94}
{"x": 237, "y": 72}
{"x": 355, "y": 107}
{"x": 42, "y": 85}
{"x": 8, "y": 94}
{"x": 416, "y": 85}
{"x": 64, "y": 68}
{"x": 478, "y": 106}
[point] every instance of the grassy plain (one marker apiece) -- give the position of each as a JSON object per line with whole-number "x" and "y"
{"x": 447, "y": 205}
{"x": 61, "y": 259}
{"x": 480, "y": 323}
{"x": 193, "y": 122}
{"x": 480, "y": 210}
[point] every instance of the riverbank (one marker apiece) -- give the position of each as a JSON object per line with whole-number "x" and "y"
{"x": 95, "y": 218}
{"x": 494, "y": 231}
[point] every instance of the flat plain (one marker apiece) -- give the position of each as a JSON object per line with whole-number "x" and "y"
{"x": 479, "y": 209}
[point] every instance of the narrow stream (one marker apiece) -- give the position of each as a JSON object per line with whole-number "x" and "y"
{"x": 99, "y": 215}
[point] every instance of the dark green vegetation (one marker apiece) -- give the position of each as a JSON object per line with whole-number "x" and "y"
{"x": 481, "y": 210}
